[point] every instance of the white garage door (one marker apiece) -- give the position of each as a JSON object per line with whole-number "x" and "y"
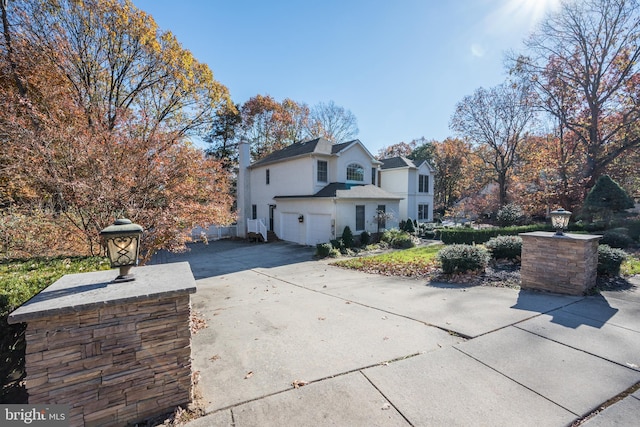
{"x": 290, "y": 227}
{"x": 319, "y": 229}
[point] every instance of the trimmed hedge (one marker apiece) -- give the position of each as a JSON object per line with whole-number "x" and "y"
{"x": 470, "y": 236}
{"x": 397, "y": 239}
{"x": 463, "y": 258}
{"x": 505, "y": 247}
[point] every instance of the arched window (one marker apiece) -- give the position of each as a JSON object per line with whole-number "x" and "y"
{"x": 355, "y": 172}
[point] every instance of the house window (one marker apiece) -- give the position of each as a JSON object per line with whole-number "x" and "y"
{"x": 323, "y": 175}
{"x": 373, "y": 176}
{"x": 423, "y": 212}
{"x": 254, "y": 212}
{"x": 268, "y": 177}
{"x": 359, "y": 217}
{"x": 355, "y": 172}
{"x": 423, "y": 183}
{"x": 382, "y": 220}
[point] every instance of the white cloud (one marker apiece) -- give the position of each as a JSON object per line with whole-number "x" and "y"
{"x": 477, "y": 50}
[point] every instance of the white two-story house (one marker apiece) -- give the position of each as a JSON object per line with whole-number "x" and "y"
{"x": 413, "y": 183}
{"x": 309, "y": 191}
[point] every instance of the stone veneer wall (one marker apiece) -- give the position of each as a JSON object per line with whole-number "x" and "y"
{"x": 562, "y": 264}
{"x": 116, "y": 353}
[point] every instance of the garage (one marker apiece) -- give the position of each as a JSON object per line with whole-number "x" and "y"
{"x": 318, "y": 228}
{"x": 290, "y": 227}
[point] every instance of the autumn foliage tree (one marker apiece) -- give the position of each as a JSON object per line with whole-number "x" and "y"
{"x": 496, "y": 121}
{"x": 97, "y": 105}
{"x": 583, "y": 63}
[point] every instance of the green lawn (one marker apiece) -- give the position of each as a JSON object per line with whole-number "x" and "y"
{"x": 20, "y": 280}
{"x": 414, "y": 262}
{"x": 631, "y": 266}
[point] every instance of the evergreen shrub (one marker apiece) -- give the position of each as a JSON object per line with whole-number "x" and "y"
{"x": 505, "y": 247}
{"x": 609, "y": 260}
{"x": 462, "y": 258}
{"x": 323, "y": 249}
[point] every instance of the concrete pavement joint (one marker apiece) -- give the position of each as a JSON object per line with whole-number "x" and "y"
{"x": 615, "y": 399}
{"x": 576, "y": 348}
{"x": 386, "y": 398}
{"x": 517, "y": 382}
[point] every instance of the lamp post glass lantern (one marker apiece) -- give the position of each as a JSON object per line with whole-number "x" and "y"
{"x": 122, "y": 239}
{"x": 560, "y": 220}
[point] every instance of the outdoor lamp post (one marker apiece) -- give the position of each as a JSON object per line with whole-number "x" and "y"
{"x": 123, "y": 242}
{"x": 560, "y": 220}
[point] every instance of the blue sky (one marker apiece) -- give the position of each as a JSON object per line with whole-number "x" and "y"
{"x": 400, "y": 66}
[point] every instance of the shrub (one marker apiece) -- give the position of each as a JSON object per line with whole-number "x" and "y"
{"x": 609, "y": 260}
{"x": 334, "y": 253}
{"x": 409, "y": 227}
{"x": 397, "y": 239}
{"x": 509, "y": 214}
{"x": 347, "y": 237}
{"x": 365, "y": 238}
{"x": 337, "y": 244}
{"x": 323, "y": 249}
{"x": 509, "y": 247}
{"x": 471, "y": 236}
{"x": 463, "y": 258}
{"x": 616, "y": 238}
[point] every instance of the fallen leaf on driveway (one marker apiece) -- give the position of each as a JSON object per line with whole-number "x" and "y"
{"x": 321, "y": 318}
{"x": 386, "y": 406}
{"x": 249, "y": 375}
{"x": 632, "y": 365}
{"x": 299, "y": 383}
{"x": 214, "y": 358}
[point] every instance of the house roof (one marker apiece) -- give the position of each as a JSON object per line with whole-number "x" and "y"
{"x": 302, "y": 148}
{"x": 342, "y": 190}
{"x": 397, "y": 162}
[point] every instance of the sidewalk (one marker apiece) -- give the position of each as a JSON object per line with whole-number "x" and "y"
{"x": 375, "y": 350}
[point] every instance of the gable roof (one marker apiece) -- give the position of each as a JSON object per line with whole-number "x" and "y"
{"x": 397, "y": 162}
{"x": 304, "y": 148}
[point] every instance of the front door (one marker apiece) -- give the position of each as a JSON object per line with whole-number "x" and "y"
{"x": 271, "y": 209}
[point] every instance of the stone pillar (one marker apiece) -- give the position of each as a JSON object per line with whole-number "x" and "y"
{"x": 562, "y": 264}
{"x": 116, "y": 353}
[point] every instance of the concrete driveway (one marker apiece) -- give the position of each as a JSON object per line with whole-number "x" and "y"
{"x": 295, "y": 341}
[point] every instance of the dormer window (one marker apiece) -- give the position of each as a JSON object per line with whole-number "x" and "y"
{"x": 355, "y": 172}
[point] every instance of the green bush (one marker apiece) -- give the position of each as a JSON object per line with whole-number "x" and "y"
{"x": 463, "y": 258}
{"x": 609, "y": 260}
{"x": 323, "y": 249}
{"x": 334, "y": 253}
{"x": 337, "y": 244}
{"x": 397, "y": 239}
{"x": 409, "y": 227}
{"x": 509, "y": 214}
{"x": 470, "y": 236}
{"x": 505, "y": 247}
{"x": 365, "y": 238}
{"x": 347, "y": 237}
{"x": 616, "y": 238}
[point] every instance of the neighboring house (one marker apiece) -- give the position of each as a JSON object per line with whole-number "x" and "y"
{"x": 309, "y": 191}
{"x": 414, "y": 184}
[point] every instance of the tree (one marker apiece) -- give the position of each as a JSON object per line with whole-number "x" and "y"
{"x": 269, "y": 125}
{"x": 451, "y": 159}
{"x": 222, "y": 138}
{"x": 332, "y": 122}
{"x": 583, "y": 63}
{"x": 606, "y": 198}
{"x": 400, "y": 149}
{"x": 496, "y": 120}
{"x": 97, "y": 126}
{"x": 423, "y": 151}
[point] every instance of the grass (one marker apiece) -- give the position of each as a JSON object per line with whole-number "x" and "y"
{"x": 414, "y": 262}
{"x": 631, "y": 266}
{"x": 22, "y": 279}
